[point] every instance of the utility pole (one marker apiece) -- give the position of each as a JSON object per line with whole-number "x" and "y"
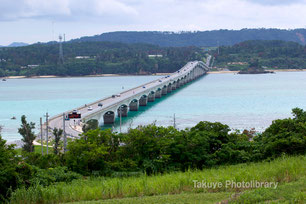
{"x": 64, "y": 132}
{"x": 61, "y": 55}
{"x": 41, "y": 137}
{"x": 120, "y": 117}
{"x": 174, "y": 124}
{"x": 47, "y": 137}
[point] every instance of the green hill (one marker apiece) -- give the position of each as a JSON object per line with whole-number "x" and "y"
{"x": 200, "y": 38}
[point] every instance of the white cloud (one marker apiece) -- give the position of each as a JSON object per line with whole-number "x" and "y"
{"x": 62, "y": 9}
{"x": 276, "y": 2}
{"x": 89, "y": 17}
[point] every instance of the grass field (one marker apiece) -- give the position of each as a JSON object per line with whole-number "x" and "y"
{"x": 37, "y": 149}
{"x": 178, "y": 187}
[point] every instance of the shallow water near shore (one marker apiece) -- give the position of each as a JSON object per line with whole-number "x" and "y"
{"x": 241, "y": 101}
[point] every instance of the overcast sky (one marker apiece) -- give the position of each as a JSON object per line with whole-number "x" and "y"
{"x": 43, "y": 20}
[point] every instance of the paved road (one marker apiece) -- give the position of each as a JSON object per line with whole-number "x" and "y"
{"x": 73, "y": 127}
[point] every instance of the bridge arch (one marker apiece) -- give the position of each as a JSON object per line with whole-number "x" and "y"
{"x": 143, "y": 100}
{"x": 151, "y": 96}
{"x": 164, "y": 90}
{"x": 134, "y": 105}
{"x": 109, "y": 117}
{"x": 158, "y": 92}
{"x": 174, "y": 85}
{"x": 122, "y": 110}
{"x": 178, "y": 83}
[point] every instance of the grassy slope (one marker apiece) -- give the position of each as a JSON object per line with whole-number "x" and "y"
{"x": 284, "y": 170}
{"x": 293, "y": 192}
{"x": 177, "y": 199}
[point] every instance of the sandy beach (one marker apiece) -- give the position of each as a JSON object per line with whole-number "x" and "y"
{"x": 97, "y": 75}
{"x": 156, "y": 74}
{"x": 272, "y": 70}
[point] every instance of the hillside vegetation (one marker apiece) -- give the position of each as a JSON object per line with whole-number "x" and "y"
{"x": 267, "y": 54}
{"x": 89, "y": 58}
{"x": 92, "y": 58}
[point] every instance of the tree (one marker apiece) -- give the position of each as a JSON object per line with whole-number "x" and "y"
{"x": 26, "y": 131}
{"x": 57, "y": 137}
{"x": 90, "y": 125}
{"x": 88, "y": 155}
{"x": 285, "y": 136}
{"x": 8, "y": 165}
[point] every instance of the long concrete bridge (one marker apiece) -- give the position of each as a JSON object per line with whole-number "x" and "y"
{"x": 130, "y": 100}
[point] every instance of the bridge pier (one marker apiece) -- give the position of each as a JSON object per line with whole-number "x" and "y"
{"x": 164, "y": 90}
{"x": 169, "y": 89}
{"x": 134, "y": 105}
{"x": 158, "y": 93}
{"x": 109, "y": 117}
{"x": 151, "y": 97}
{"x": 143, "y": 101}
{"x": 123, "y": 110}
{"x": 173, "y": 86}
{"x": 178, "y": 84}
{"x": 188, "y": 78}
{"x": 182, "y": 82}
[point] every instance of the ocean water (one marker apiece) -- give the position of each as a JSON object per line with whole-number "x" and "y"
{"x": 240, "y": 101}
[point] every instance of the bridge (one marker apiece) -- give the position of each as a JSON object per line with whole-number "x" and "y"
{"x": 120, "y": 104}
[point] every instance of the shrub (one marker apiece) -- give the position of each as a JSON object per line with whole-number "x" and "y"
{"x": 46, "y": 177}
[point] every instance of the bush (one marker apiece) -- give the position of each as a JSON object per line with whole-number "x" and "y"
{"x": 46, "y": 177}
{"x": 42, "y": 161}
{"x": 286, "y": 136}
{"x": 9, "y": 179}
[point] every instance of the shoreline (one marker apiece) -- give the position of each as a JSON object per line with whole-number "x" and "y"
{"x": 271, "y": 70}
{"x": 156, "y": 74}
{"x": 97, "y": 75}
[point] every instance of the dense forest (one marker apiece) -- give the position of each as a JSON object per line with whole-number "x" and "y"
{"x": 269, "y": 54}
{"x": 89, "y": 58}
{"x": 200, "y": 38}
{"x": 145, "y": 150}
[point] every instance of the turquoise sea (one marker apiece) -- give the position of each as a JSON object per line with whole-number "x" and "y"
{"x": 241, "y": 101}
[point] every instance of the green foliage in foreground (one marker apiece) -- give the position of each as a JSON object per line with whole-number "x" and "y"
{"x": 150, "y": 150}
{"x": 8, "y": 167}
{"x": 282, "y": 170}
{"x": 293, "y": 192}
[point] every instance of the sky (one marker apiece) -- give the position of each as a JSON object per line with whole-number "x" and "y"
{"x": 33, "y": 21}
